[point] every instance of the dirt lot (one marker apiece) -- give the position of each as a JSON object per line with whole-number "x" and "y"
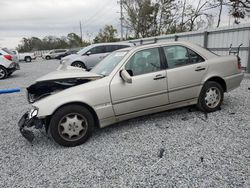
{"x": 179, "y": 148}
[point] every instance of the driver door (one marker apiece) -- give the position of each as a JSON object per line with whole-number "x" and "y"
{"x": 149, "y": 84}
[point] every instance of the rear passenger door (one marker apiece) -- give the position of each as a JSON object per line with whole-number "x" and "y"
{"x": 185, "y": 71}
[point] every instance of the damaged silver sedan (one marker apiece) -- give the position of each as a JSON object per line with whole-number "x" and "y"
{"x": 128, "y": 83}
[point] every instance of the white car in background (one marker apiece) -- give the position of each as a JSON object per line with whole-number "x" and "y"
{"x": 89, "y": 56}
{"x": 8, "y": 63}
{"x": 52, "y": 54}
{"x": 27, "y": 57}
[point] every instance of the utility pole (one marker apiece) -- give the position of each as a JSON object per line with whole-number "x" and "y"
{"x": 121, "y": 18}
{"x": 81, "y": 31}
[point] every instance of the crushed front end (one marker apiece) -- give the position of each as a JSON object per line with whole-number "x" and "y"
{"x": 28, "y": 120}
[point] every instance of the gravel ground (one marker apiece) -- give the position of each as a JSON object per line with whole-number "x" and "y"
{"x": 178, "y": 148}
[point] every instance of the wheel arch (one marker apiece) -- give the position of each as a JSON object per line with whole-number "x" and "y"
{"x": 219, "y": 80}
{"x": 91, "y": 110}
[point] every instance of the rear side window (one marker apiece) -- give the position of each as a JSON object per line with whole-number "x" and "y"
{"x": 180, "y": 56}
{"x": 194, "y": 57}
{"x": 98, "y": 50}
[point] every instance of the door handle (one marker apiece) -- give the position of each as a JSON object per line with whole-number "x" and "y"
{"x": 159, "y": 76}
{"x": 200, "y": 68}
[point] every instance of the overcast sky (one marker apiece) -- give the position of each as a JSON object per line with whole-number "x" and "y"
{"x": 27, "y": 18}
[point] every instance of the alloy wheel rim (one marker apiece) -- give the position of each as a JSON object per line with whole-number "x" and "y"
{"x": 72, "y": 127}
{"x": 212, "y": 97}
{"x": 78, "y": 65}
{"x": 2, "y": 73}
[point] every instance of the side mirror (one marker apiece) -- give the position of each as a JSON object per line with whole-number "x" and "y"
{"x": 125, "y": 76}
{"x": 88, "y": 53}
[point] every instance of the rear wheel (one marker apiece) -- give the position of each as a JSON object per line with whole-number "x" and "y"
{"x": 47, "y": 57}
{"x": 27, "y": 59}
{"x": 3, "y": 72}
{"x": 71, "y": 125}
{"x": 78, "y": 64}
{"x": 211, "y": 97}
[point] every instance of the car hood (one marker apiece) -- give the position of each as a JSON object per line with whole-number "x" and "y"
{"x": 59, "y": 80}
{"x": 68, "y": 73}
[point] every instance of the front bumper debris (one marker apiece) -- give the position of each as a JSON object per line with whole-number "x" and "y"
{"x": 25, "y": 123}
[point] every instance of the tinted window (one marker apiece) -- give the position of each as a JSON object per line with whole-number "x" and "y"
{"x": 143, "y": 62}
{"x": 111, "y": 48}
{"x": 59, "y": 51}
{"x": 98, "y": 50}
{"x": 122, "y": 46}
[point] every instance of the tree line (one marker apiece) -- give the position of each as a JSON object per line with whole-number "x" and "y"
{"x": 147, "y": 18}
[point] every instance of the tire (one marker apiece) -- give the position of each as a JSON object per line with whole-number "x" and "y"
{"x": 211, "y": 97}
{"x": 78, "y": 64}
{"x": 27, "y": 59}
{"x": 48, "y": 57}
{"x": 3, "y": 73}
{"x": 71, "y": 125}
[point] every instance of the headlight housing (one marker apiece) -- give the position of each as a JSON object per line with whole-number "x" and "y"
{"x": 33, "y": 112}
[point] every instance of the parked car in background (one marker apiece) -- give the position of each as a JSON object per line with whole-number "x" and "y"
{"x": 130, "y": 82}
{"x": 52, "y": 54}
{"x": 8, "y": 64}
{"x": 14, "y": 55}
{"x": 68, "y": 52}
{"x": 89, "y": 56}
{"x": 27, "y": 57}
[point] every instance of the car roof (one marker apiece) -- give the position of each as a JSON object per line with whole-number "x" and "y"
{"x": 195, "y": 47}
{"x": 113, "y": 43}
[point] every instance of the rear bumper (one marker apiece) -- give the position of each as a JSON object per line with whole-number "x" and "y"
{"x": 233, "y": 81}
{"x": 13, "y": 67}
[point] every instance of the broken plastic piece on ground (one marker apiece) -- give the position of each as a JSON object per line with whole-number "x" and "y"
{"x": 161, "y": 152}
{"x": 27, "y": 134}
{"x": 232, "y": 113}
{"x": 202, "y": 159}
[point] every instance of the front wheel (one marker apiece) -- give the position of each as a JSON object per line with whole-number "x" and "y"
{"x": 71, "y": 125}
{"x": 78, "y": 64}
{"x": 48, "y": 57}
{"x": 27, "y": 59}
{"x": 211, "y": 97}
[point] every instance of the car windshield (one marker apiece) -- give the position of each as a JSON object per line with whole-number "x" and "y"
{"x": 84, "y": 50}
{"x": 107, "y": 65}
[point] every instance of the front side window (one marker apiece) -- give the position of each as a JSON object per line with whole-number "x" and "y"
{"x": 178, "y": 56}
{"x": 143, "y": 62}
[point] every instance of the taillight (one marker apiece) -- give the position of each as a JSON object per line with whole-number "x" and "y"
{"x": 9, "y": 57}
{"x": 239, "y": 63}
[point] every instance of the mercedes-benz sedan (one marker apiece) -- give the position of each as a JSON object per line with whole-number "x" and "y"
{"x": 130, "y": 82}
